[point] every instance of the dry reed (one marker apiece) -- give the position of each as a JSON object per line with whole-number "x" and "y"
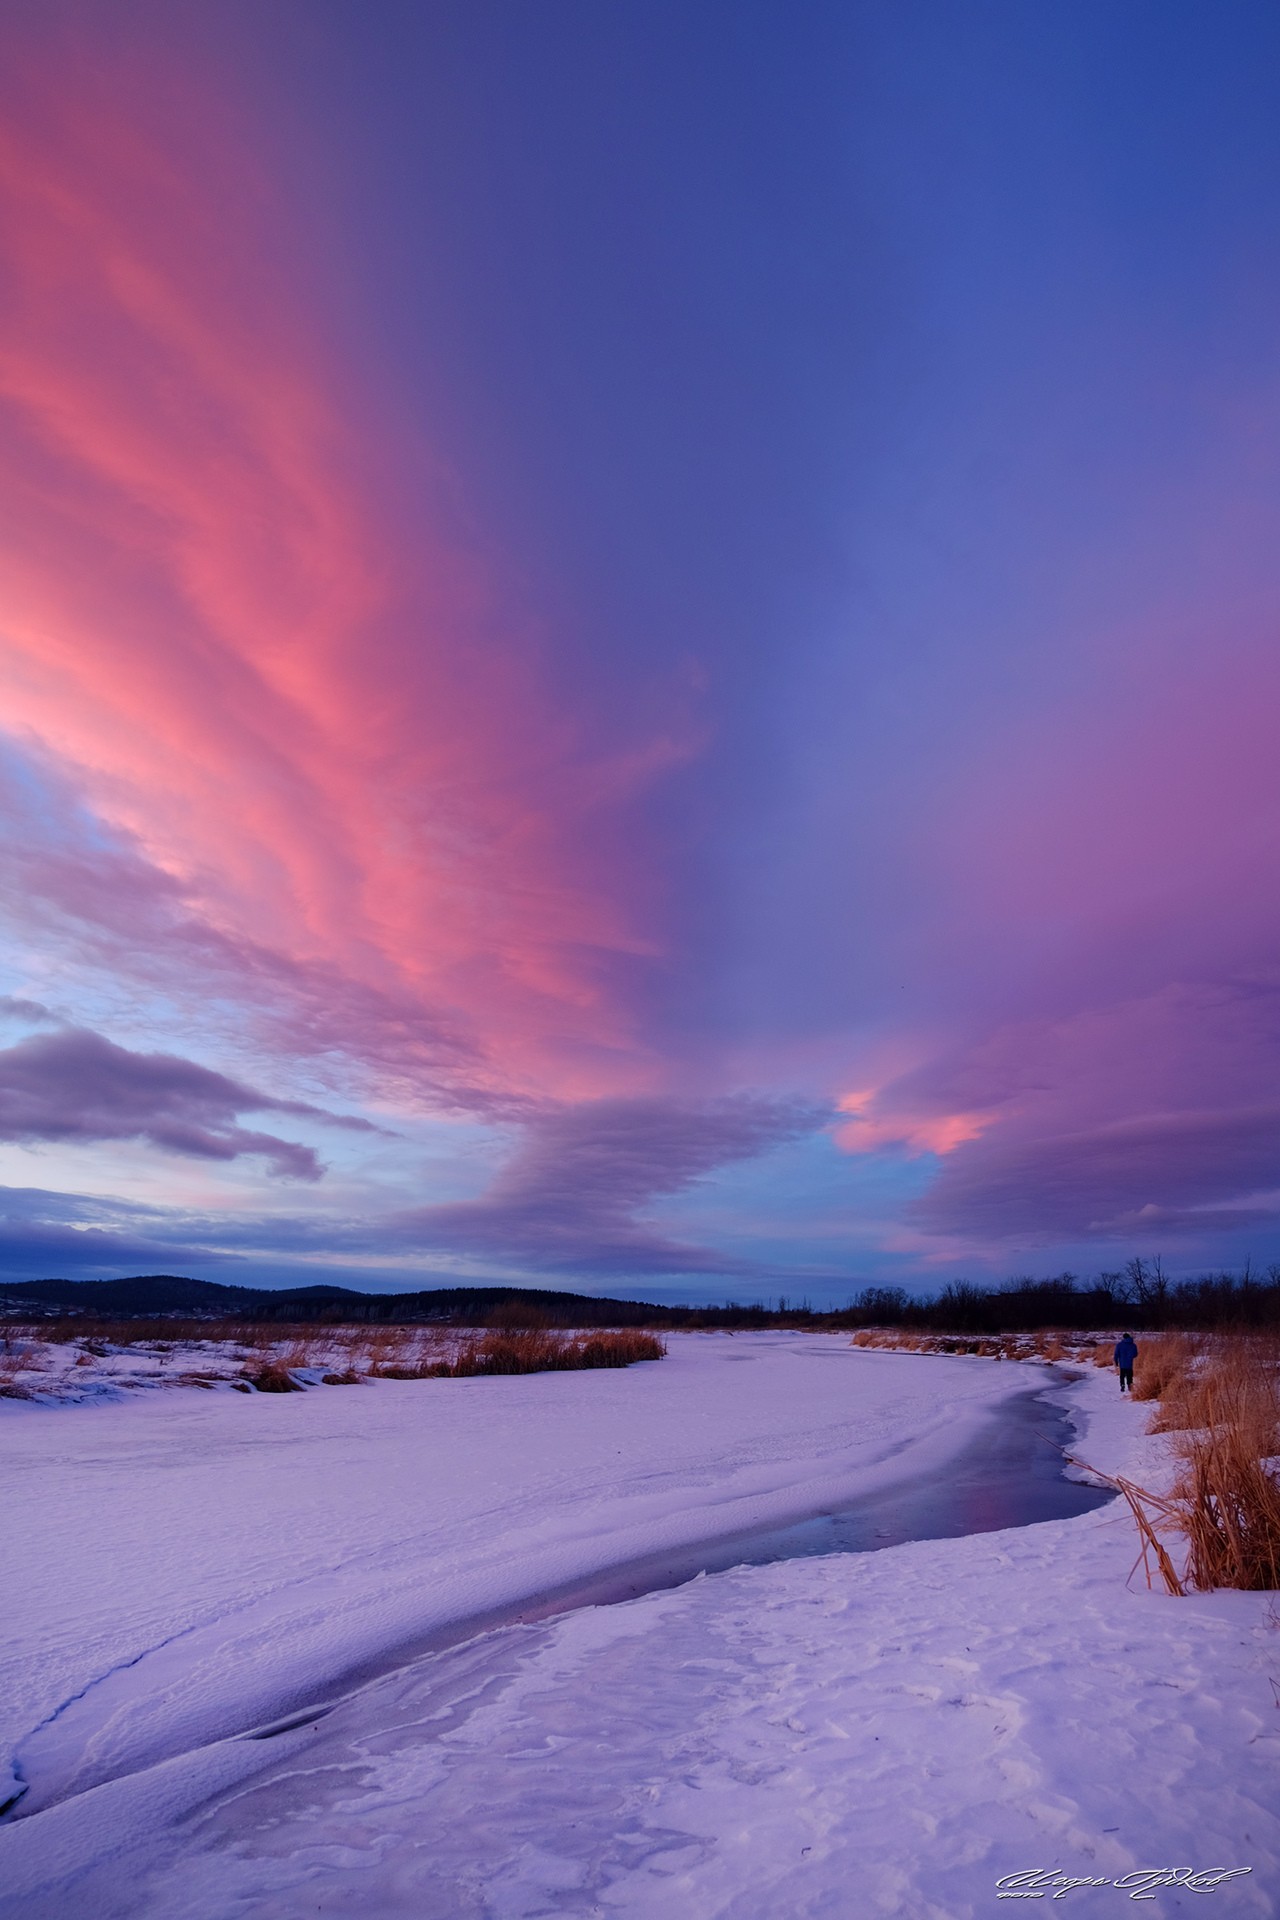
{"x": 269, "y": 1357}
{"x": 272, "y": 1377}
{"x": 1046, "y": 1344}
{"x": 1223, "y": 1404}
{"x": 620, "y": 1349}
{"x": 16, "y": 1356}
{"x": 1227, "y": 1497}
{"x": 538, "y": 1350}
{"x": 1161, "y": 1359}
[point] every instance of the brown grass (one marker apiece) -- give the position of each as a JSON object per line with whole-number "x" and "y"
{"x": 402, "y": 1353}
{"x": 538, "y": 1350}
{"x": 96, "y": 1333}
{"x": 1162, "y": 1357}
{"x": 274, "y": 1377}
{"x": 620, "y": 1349}
{"x": 19, "y": 1353}
{"x": 1045, "y": 1343}
{"x": 1227, "y": 1497}
{"x": 1174, "y": 1411}
{"x": 1223, "y": 1404}
{"x": 382, "y": 1347}
{"x": 269, "y": 1356}
{"x": 531, "y": 1350}
{"x": 10, "y": 1387}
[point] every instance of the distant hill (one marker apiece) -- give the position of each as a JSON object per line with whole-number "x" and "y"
{"x": 171, "y": 1293}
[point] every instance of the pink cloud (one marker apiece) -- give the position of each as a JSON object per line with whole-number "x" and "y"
{"x": 332, "y": 735}
{"x": 868, "y": 1131}
{"x": 1151, "y": 1114}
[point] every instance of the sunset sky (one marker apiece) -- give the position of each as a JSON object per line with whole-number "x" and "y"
{"x": 639, "y": 643}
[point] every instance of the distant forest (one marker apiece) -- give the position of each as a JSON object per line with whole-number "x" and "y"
{"x": 1140, "y": 1295}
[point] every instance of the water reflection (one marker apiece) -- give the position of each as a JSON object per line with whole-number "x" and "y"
{"x": 1009, "y": 1475}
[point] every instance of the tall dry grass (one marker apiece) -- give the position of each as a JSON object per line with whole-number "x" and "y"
{"x": 1221, "y": 1402}
{"x": 271, "y": 1377}
{"x": 1162, "y": 1358}
{"x": 538, "y": 1350}
{"x": 406, "y": 1353}
{"x": 1043, "y": 1343}
{"x": 269, "y": 1357}
{"x": 1226, "y": 1500}
{"x": 18, "y": 1354}
{"x": 620, "y": 1349}
{"x": 420, "y": 1353}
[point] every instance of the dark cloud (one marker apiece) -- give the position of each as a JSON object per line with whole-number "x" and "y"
{"x": 1179, "y": 1172}
{"x": 570, "y": 1202}
{"x": 572, "y": 1195}
{"x": 45, "y": 1234}
{"x": 75, "y": 1085}
{"x": 31, "y": 1012}
{"x": 1154, "y": 1113}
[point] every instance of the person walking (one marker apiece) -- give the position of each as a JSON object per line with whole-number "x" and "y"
{"x": 1126, "y": 1354}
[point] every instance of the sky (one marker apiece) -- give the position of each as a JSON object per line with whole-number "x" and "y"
{"x": 639, "y": 645}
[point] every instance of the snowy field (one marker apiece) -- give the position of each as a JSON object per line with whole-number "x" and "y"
{"x": 886, "y": 1733}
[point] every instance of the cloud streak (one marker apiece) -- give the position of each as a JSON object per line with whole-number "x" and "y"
{"x": 1150, "y": 1115}
{"x": 82, "y": 902}
{"x": 45, "y": 1235}
{"x": 198, "y": 601}
{"x": 1167, "y": 1175}
{"x": 427, "y": 687}
{"x": 573, "y": 1196}
{"x": 77, "y": 1086}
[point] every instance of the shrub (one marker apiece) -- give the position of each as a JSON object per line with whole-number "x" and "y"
{"x": 531, "y": 1351}
{"x": 273, "y": 1378}
{"x": 618, "y": 1349}
{"x": 537, "y": 1350}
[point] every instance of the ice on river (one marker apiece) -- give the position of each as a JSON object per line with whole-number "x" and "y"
{"x": 863, "y": 1734}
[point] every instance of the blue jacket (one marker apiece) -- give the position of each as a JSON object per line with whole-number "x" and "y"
{"x": 1126, "y": 1353}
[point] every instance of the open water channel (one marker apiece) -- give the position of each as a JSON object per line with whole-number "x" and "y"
{"x": 1009, "y": 1474}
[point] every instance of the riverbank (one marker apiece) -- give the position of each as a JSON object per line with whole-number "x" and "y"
{"x": 189, "y": 1564}
{"x": 77, "y": 1362}
{"x": 878, "y": 1733}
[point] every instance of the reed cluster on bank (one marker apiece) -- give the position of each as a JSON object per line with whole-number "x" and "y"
{"x": 269, "y": 1358}
{"x": 1218, "y": 1398}
{"x": 1220, "y": 1403}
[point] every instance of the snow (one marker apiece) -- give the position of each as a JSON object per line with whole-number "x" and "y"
{"x": 35, "y": 1365}
{"x": 870, "y": 1734}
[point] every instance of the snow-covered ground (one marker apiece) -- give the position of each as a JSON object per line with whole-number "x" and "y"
{"x": 870, "y": 1734}
{"x": 36, "y": 1366}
